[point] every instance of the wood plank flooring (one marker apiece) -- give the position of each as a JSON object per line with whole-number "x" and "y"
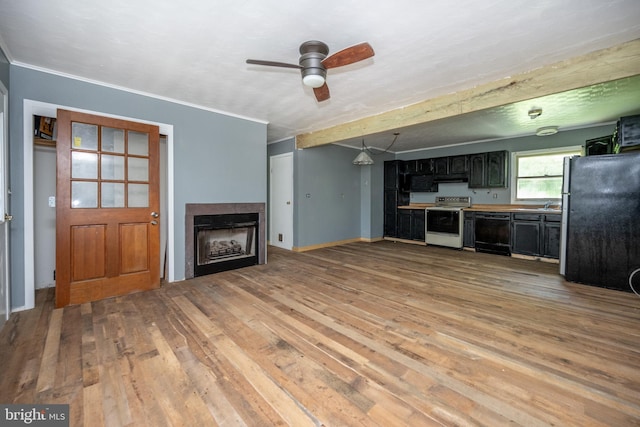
{"x": 364, "y": 334}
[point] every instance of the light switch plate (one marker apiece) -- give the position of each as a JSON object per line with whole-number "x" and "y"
{"x": 52, "y": 201}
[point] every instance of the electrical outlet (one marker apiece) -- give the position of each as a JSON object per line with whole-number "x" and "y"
{"x": 52, "y": 201}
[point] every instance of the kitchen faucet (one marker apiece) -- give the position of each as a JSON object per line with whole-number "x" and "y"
{"x": 546, "y": 205}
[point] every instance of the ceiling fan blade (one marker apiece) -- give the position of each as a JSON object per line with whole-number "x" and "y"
{"x": 322, "y": 92}
{"x": 349, "y": 55}
{"x": 272, "y": 63}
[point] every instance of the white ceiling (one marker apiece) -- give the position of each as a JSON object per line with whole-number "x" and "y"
{"x": 194, "y": 51}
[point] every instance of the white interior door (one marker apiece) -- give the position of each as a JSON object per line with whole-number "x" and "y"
{"x": 281, "y": 203}
{"x": 5, "y": 307}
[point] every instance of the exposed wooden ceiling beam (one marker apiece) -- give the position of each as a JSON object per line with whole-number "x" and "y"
{"x": 596, "y": 67}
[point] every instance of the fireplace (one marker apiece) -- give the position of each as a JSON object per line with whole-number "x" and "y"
{"x": 224, "y": 242}
{"x": 223, "y": 236}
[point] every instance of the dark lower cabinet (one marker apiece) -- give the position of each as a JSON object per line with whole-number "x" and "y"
{"x": 469, "y": 235}
{"x": 411, "y": 224}
{"x": 551, "y": 236}
{"x": 417, "y": 224}
{"x": 404, "y": 224}
{"x": 536, "y": 235}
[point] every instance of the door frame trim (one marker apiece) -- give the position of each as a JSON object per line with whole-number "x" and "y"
{"x": 31, "y": 108}
{"x": 4, "y": 184}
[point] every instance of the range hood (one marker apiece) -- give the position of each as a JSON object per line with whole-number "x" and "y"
{"x": 450, "y": 178}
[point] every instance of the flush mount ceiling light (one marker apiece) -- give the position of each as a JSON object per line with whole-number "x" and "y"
{"x": 534, "y": 113}
{"x": 547, "y": 130}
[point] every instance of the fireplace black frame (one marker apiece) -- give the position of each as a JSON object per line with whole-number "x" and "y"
{"x": 225, "y": 222}
{"x": 194, "y": 209}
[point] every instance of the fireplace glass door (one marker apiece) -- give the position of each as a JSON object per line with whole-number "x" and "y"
{"x": 224, "y": 242}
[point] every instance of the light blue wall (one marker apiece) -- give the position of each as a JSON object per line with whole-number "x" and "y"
{"x": 217, "y": 158}
{"x": 327, "y": 191}
{"x": 503, "y": 196}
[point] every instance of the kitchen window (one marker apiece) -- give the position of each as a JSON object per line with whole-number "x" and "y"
{"x": 537, "y": 174}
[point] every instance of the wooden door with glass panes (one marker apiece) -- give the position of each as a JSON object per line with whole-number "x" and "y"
{"x": 107, "y": 221}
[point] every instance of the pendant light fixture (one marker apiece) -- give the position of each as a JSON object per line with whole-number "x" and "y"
{"x": 363, "y": 158}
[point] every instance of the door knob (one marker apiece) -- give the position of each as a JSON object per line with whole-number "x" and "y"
{"x": 154, "y": 222}
{"x": 155, "y": 214}
{"x": 8, "y": 217}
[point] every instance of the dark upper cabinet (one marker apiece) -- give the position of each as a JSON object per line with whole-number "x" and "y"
{"x": 424, "y": 166}
{"x": 441, "y": 166}
{"x": 488, "y": 170}
{"x": 628, "y": 132}
{"x": 459, "y": 165}
{"x": 477, "y": 168}
{"x": 497, "y": 173}
{"x": 410, "y": 166}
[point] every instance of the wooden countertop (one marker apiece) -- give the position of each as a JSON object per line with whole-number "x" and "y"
{"x": 554, "y": 209}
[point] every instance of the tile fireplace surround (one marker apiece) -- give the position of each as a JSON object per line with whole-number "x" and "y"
{"x": 195, "y": 209}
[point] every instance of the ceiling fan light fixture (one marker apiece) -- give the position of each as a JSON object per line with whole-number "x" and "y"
{"x": 547, "y": 130}
{"x": 313, "y": 80}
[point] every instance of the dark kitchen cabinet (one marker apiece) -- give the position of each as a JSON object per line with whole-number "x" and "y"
{"x": 488, "y": 170}
{"x": 469, "y": 235}
{"x": 551, "y": 236}
{"x": 477, "y": 167}
{"x": 418, "y": 224}
{"x": 411, "y": 224}
{"x": 404, "y": 224}
{"x": 536, "y": 234}
{"x": 393, "y": 173}
{"x": 441, "y": 166}
{"x": 628, "y": 132}
{"x": 458, "y": 165}
{"x": 396, "y": 193}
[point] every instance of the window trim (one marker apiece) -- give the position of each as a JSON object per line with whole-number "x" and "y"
{"x": 528, "y": 153}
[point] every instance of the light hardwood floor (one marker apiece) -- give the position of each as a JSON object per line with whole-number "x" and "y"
{"x": 365, "y": 334}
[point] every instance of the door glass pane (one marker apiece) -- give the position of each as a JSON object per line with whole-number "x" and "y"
{"x": 112, "y": 167}
{"x": 112, "y": 195}
{"x": 138, "y": 195}
{"x": 138, "y": 169}
{"x": 112, "y": 140}
{"x": 84, "y": 194}
{"x": 138, "y": 143}
{"x": 84, "y": 165}
{"x": 84, "y": 136}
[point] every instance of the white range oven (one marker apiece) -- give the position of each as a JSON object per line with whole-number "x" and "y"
{"x": 444, "y": 223}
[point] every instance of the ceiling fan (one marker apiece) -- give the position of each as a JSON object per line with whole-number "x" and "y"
{"x": 314, "y": 63}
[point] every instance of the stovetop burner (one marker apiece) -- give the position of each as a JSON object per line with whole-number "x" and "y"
{"x": 454, "y": 202}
